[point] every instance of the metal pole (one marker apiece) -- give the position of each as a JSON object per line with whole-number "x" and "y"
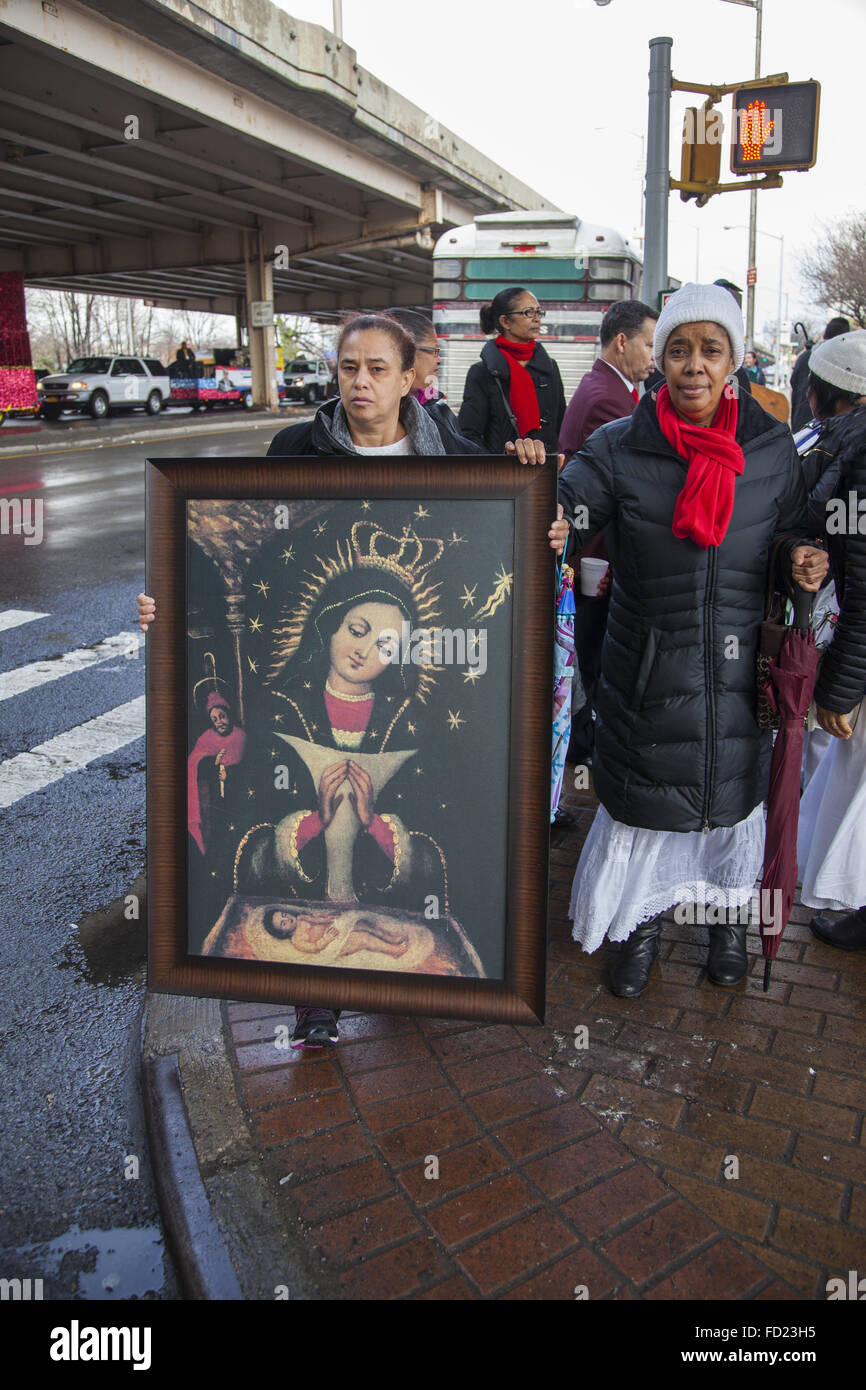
{"x": 779, "y": 316}
{"x": 130, "y": 332}
{"x": 338, "y": 18}
{"x": 753, "y": 199}
{"x": 658, "y": 175}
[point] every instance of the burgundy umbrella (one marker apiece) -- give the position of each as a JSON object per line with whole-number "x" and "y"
{"x": 788, "y": 688}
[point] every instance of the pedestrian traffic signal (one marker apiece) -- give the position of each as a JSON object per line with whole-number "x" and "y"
{"x": 775, "y": 127}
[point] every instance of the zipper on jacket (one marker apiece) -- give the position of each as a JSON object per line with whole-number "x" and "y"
{"x": 709, "y": 762}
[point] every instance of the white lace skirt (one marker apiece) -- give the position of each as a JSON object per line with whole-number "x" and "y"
{"x": 627, "y": 875}
{"x": 831, "y": 846}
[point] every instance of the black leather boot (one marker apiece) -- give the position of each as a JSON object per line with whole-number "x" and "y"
{"x": 629, "y": 973}
{"x": 727, "y": 961}
{"x": 848, "y": 933}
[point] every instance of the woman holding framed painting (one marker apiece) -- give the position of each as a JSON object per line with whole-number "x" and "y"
{"x": 327, "y": 693}
{"x": 692, "y": 491}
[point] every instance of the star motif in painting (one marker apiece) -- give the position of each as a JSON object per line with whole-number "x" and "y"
{"x": 313, "y": 726}
{"x": 454, "y": 720}
{"x": 278, "y": 718}
{"x": 320, "y": 529}
{"x": 307, "y": 685}
{"x": 288, "y": 554}
{"x": 467, "y": 598}
{"x": 255, "y": 624}
{"x": 454, "y": 539}
{"x": 418, "y": 771}
{"x": 263, "y": 588}
{"x": 421, "y": 513}
{"x": 253, "y": 667}
{"x": 251, "y": 794}
{"x": 471, "y": 675}
{"x": 411, "y": 728}
{"x": 365, "y": 506}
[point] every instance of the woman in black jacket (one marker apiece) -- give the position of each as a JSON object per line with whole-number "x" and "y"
{"x": 515, "y": 391}
{"x": 692, "y": 491}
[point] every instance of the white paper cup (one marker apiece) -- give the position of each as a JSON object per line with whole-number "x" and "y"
{"x": 592, "y": 572}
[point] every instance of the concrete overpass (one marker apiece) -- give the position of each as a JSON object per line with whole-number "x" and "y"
{"x": 204, "y": 155}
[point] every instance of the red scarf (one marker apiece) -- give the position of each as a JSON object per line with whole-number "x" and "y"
{"x": 521, "y": 392}
{"x": 715, "y": 460}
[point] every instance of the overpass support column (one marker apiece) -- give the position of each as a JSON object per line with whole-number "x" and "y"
{"x": 263, "y": 358}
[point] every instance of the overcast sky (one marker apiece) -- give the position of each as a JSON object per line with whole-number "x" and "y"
{"x": 528, "y": 83}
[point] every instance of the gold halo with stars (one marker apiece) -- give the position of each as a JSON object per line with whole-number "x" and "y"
{"x": 408, "y": 556}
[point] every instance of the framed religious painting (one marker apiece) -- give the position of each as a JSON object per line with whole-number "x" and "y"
{"x": 349, "y": 702}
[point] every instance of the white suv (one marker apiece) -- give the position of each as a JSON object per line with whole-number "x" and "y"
{"x": 101, "y": 384}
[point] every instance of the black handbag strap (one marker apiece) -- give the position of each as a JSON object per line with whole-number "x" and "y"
{"x": 508, "y": 411}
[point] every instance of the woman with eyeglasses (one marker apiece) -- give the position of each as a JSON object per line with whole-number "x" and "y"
{"x": 515, "y": 391}
{"x": 425, "y": 387}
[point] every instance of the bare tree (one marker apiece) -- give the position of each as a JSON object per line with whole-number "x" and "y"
{"x": 64, "y": 324}
{"x": 835, "y": 271}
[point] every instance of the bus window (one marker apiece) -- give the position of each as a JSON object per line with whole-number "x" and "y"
{"x": 608, "y": 268}
{"x": 446, "y": 289}
{"x": 517, "y": 270}
{"x": 543, "y": 290}
{"x": 608, "y": 293}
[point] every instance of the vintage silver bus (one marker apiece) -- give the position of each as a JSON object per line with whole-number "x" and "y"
{"x": 575, "y": 269}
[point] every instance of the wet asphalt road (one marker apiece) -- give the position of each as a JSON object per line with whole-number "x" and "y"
{"x": 72, "y": 1210}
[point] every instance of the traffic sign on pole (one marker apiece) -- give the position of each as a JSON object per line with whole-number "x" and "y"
{"x": 752, "y": 275}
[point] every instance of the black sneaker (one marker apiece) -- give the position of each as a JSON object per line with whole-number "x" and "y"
{"x": 315, "y": 1028}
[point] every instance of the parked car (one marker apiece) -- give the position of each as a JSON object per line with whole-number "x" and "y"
{"x": 308, "y": 379}
{"x": 102, "y": 384}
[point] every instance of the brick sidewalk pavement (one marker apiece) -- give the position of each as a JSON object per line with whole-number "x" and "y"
{"x": 606, "y": 1167}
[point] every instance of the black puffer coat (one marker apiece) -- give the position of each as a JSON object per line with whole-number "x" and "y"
{"x": 842, "y": 678}
{"x": 677, "y": 744}
{"x": 485, "y": 415}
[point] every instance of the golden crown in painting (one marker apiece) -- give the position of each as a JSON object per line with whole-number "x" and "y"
{"x": 368, "y": 547}
{"x": 408, "y": 556}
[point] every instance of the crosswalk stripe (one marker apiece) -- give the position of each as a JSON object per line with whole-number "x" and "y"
{"x": 70, "y": 752}
{"x": 41, "y": 672}
{"x": 14, "y": 617}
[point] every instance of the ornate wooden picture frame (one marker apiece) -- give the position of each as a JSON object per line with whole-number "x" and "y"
{"x": 349, "y": 694}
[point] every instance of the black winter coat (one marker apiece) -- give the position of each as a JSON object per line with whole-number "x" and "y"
{"x": 677, "y": 744}
{"x": 316, "y": 436}
{"x": 842, "y": 678}
{"x": 486, "y": 415}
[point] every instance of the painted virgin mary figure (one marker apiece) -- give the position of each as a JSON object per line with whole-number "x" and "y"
{"x": 354, "y": 812}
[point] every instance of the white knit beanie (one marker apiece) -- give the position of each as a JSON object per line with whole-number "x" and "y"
{"x": 701, "y": 304}
{"x": 842, "y": 361}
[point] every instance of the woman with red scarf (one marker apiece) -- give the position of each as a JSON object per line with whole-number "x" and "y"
{"x": 515, "y": 391}
{"x": 692, "y": 492}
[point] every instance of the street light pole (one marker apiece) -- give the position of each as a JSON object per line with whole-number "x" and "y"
{"x": 737, "y": 226}
{"x": 338, "y": 18}
{"x": 758, "y": 7}
{"x": 658, "y": 174}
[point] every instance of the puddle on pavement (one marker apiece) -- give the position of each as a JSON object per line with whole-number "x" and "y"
{"x": 126, "y": 1262}
{"x": 108, "y": 948}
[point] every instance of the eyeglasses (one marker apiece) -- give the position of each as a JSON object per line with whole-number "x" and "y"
{"x": 434, "y": 352}
{"x": 527, "y": 314}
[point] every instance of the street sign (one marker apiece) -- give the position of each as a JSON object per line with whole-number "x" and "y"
{"x": 262, "y": 313}
{"x": 664, "y": 296}
{"x": 752, "y": 275}
{"x": 775, "y": 127}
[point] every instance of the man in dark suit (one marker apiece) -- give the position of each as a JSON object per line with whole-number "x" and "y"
{"x": 609, "y": 390}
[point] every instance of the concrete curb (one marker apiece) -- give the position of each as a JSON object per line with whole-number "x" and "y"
{"x": 230, "y": 1235}
{"x": 141, "y": 436}
{"x": 200, "y": 1255}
